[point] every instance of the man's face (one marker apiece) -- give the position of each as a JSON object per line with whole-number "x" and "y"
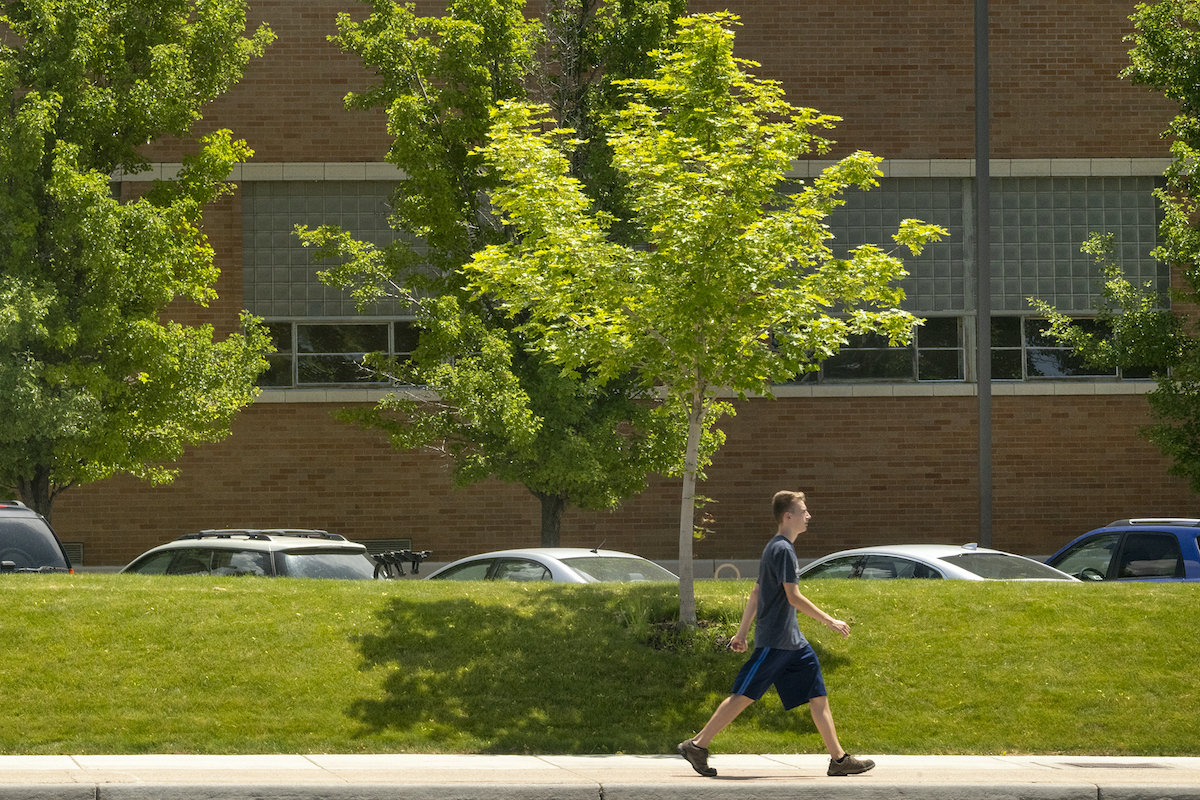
{"x": 797, "y": 519}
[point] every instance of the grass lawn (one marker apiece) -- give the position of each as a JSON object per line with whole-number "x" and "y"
{"x": 132, "y": 664}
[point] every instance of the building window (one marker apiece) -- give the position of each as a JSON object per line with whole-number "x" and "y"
{"x": 310, "y": 353}
{"x": 935, "y": 353}
{"x": 937, "y": 280}
{"x": 1021, "y": 350}
{"x": 279, "y": 274}
{"x": 1037, "y": 227}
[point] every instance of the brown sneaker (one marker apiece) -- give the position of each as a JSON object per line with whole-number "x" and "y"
{"x": 848, "y": 765}
{"x": 697, "y": 756}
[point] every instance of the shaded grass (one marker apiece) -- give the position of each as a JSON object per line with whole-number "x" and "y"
{"x": 130, "y": 664}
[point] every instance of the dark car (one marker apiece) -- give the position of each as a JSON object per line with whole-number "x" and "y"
{"x": 27, "y": 542}
{"x": 1148, "y": 549}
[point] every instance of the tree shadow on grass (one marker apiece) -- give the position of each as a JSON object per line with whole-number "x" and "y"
{"x": 547, "y": 673}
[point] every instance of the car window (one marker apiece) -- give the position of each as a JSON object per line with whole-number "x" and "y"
{"x": 471, "y": 571}
{"x": 28, "y": 543}
{"x": 615, "y": 568}
{"x": 884, "y": 566}
{"x": 1004, "y": 567}
{"x": 154, "y": 564}
{"x": 191, "y": 561}
{"x": 239, "y": 562}
{"x": 520, "y": 569}
{"x": 877, "y": 566}
{"x": 1150, "y": 555}
{"x": 1089, "y": 558}
{"x": 341, "y": 564}
{"x": 842, "y": 567}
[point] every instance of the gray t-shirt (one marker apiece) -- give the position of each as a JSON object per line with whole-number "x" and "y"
{"x": 777, "y": 626}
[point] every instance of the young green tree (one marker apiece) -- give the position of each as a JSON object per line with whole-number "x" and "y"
{"x": 502, "y": 409}
{"x": 1137, "y": 328}
{"x": 732, "y": 286}
{"x": 93, "y": 381}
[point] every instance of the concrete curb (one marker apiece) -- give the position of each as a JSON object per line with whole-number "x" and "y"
{"x": 691, "y": 790}
{"x": 399, "y": 791}
{"x": 596, "y": 777}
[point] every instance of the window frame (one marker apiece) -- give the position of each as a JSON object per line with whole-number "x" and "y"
{"x": 915, "y": 352}
{"x": 1032, "y": 342}
{"x": 286, "y": 369}
{"x": 1130, "y": 541}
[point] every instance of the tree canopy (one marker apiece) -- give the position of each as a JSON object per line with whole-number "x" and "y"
{"x": 93, "y": 380}
{"x": 500, "y": 408}
{"x": 730, "y": 285}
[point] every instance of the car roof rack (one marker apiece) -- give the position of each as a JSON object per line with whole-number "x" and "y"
{"x": 1180, "y": 521}
{"x": 264, "y": 534}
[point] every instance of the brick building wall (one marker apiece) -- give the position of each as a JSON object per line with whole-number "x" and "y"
{"x": 875, "y": 471}
{"x": 289, "y": 106}
{"x": 901, "y": 75}
{"x": 876, "y": 468}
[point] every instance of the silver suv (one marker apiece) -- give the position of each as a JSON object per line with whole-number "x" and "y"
{"x": 27, "y": 542}
{"x": 268, "y": 552}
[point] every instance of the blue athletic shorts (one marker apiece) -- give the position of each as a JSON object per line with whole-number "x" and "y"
{"x": 796, "y": 675}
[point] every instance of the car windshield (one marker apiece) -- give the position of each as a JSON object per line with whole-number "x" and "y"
{"x": 615, "y": 568}
{"x": 325, "y": 564}
{"x": 1003, "y": 567}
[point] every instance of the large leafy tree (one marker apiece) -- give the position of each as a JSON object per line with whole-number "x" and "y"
{"x": 501, "y": 408}
{"x": 93, "y": 380}
{"x": 1136, "y": 327}
{"x": 731, "y": 285}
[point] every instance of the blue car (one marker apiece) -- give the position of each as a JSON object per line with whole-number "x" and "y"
{"x": 1151, "y": 549}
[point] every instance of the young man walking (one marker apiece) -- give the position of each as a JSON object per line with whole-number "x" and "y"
{"x": 782, "y": 656}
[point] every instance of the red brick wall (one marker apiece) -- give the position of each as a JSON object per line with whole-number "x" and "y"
{"x": 900, "y": 74}
{"x": 290, "y": 104}
{"x": 875, "y": 471}
{"x": 223, "y": 227}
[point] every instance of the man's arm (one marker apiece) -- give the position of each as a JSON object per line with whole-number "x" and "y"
{"x": 738, "y": 643}
{"x": 809, "y": 609}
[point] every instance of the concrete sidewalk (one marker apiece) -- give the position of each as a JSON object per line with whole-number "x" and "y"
{"x": 617, "y": 777}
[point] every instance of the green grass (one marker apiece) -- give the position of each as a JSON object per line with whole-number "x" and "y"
{"x": 130, "y": 664}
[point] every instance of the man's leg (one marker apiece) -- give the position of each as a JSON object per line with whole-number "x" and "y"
{"x": 695, "y": 750}
{"x": 726, "y": 713}
{"x": 823, "y": 719}
{"x": 840, "y": 762}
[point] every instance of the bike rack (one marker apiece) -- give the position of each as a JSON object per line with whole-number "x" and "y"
{"x": 391, "y": 564}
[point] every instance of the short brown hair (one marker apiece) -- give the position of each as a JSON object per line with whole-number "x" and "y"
{"x": 783, "y": 503}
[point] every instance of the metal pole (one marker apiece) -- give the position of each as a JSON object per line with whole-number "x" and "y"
{"x": 983, "y": 306}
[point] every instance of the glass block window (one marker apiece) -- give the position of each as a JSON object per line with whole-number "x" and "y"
{"x": 936, "y": 280}
{"x": 1037, "y": 228}
{"x": 1038, "y": 225}
{"x": 279, "y": 275}
{"x": 325, "y": 353}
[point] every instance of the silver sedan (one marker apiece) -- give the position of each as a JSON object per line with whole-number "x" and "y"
{"x": 967, "y": 562}
{"x": 558, "y": 564}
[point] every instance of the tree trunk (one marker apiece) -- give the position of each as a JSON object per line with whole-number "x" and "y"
{"x": 687, "y": 515}
{"x": 553, "y": 506}
{"x": 37, "y": 492}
